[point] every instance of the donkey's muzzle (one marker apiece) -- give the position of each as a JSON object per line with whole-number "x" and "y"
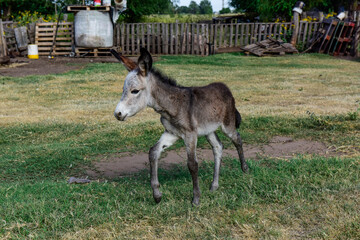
{"x": 119, "y": 116}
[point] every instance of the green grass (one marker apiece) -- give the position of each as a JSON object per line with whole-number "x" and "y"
{"x": 48, "y": 209}
{"x": 51, "y": 127}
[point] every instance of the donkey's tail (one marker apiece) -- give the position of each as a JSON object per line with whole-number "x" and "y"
{"x": 237, "y": 119}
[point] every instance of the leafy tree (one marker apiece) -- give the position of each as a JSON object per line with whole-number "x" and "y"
{"x": 205, "y": 7}
{"x": 137, "y": 8}
{"x": 268, "y": 9}
{"x": 194, "y": 8}
{"x": 225, "y": 10}
{"x": 183, "y": 9}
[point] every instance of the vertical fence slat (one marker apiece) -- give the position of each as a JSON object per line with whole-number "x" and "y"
{"x": 215, "y": 35}
{"x": 256, "y": 32}
{"x": 143, "y": 35}
{"x": 148, "y": 37}
{"x": 236, "y": 35}
{"x": 171, "y": 25}
{"x": 221, "y": 36}
{"x": 261, "y": 25}
{"x": 276, "y": 25}
{"x": 198, "y": 39}
{"x": 182, "y": 39}
{"x": 192, "y": 38}
{"x": 132, "y": 39}
{"x": 206, "y": 40}
{"x": 127, "y": 26}
{"x": 176, "y": 39}
{"x": 187, "y": 39}
{"x": 252, "y": 35}
{"x": 231, "y": 35}
{"x": 305, "y": 33}
{"x": 247, "y": 34}
{"x": 158, "y": 38}
{"x": 271, "y": 31}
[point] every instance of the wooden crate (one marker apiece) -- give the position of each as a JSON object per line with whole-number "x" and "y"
{"x": 45, "y": 34}
{"x": 92, "y": 52}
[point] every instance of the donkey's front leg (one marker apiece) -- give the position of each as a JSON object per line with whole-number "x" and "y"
{"x": 190, "y": 142}
{"x": 217, "y": 148}
{"x": 166, "y": 140}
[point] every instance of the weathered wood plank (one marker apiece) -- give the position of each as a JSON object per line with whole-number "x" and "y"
{"x": 176, "y": 38}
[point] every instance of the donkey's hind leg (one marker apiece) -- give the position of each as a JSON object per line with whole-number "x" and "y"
{"x": 166, "y": 140}
{"x": 233, "y": 134}
{"x": 217, "y": 148}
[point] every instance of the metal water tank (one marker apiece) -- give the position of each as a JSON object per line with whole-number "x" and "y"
{"x": 93, "y": 29}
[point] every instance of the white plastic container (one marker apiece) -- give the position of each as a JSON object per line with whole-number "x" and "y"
{"x": 33, "y": 52}
{"x": 93, "y": 29}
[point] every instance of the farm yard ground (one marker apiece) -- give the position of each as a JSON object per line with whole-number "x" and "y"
{"x": 55, "y": 126}
{"x": 21, "y": 67}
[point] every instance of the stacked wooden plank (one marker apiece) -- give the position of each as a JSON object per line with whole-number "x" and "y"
{"x": 45, "y": 36}
{"x": 76, "y": 8}
{"x": 269, "y": 47}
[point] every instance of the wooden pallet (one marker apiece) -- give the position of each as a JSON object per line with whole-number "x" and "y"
{"x": 45, "y": 34}
{"x": 269, "y": 47}
{"x": 92, "y": 52}
{"x": 330, "y": 26}
{"x": 76, "y": 8}
{"x": 344, "y": 39}
{"x": 333, "y": 37}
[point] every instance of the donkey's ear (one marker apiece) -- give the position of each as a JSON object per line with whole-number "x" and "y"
{"x": 127, "y": 62}
{"x": 145, "y": 62}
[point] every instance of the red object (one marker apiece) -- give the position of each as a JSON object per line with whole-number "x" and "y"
{"x": 97, "y": 2}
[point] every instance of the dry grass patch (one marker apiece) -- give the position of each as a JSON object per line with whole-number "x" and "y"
{"x": 262, "y": 87}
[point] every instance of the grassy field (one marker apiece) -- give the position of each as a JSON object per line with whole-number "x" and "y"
{"x": 53, "y": 126}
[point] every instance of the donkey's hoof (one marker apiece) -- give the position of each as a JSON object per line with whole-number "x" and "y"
{"x": 157, "y": 197}
{"x": 213, "y": 188}
{"x": 245, "y": 168}
{"x": 195, "y": 202}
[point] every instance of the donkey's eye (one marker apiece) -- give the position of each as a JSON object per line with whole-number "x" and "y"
{"x": 135, "y": 91}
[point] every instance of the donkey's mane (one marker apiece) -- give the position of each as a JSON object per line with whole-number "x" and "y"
{"x": 164, "y": 78}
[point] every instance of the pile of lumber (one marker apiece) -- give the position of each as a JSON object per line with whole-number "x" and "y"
{"x": 269, "y": 47}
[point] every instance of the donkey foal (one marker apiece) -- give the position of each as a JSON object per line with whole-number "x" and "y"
{"x": 186, "y": 112}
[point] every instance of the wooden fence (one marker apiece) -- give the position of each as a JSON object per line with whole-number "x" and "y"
{"x": 162, "y": 38}
{"x": 192, "y": 38}
{"x": 170, "y": 38}
{"x": 176, "y": 38}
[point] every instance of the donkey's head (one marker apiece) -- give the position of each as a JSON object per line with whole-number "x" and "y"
{"x": 135, "y": 91}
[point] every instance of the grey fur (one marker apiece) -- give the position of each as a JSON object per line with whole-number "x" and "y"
{"x": 186, "y": 112}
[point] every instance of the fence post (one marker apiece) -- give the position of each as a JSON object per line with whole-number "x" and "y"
{"x": 297, "y": 12}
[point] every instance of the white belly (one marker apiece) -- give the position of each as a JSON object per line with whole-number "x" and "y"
{"x": 207, "y": 129}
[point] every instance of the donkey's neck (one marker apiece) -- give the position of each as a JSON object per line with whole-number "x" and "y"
{"x": 166, "y": 98}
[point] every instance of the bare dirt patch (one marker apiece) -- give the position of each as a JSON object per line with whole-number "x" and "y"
{"x": 21, "y": 67}
{"x": 121, "y": 164}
